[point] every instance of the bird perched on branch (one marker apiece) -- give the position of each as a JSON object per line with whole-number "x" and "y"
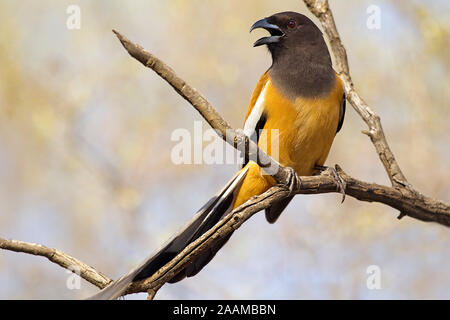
{"x": 301, "y": 100}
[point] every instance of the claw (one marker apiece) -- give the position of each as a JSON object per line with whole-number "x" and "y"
{"x": 341, "y": 184}
{"x": 293, "y": 182}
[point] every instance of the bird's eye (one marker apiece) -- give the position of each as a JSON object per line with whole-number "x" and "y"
{"x": 291, "y": 24}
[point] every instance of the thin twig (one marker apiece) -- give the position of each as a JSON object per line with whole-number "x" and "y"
{"x": 234, "y": 137}
{"x": 60, "y": 258}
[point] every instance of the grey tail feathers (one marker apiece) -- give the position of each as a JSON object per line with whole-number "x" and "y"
{"x": 211, "y": 213}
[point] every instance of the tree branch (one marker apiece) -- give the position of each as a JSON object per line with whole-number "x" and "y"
{"x": 60, "y": 258}
{"x": 235, "y": 138}
{"x": 410, "y": 203}
{"x": 310, "y": 185}
{"x": 228, "y": 224}
{"x": 321, "y": 9}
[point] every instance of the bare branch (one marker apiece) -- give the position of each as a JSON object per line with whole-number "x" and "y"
{"x": 60, "y": 258}
{"x": 321, "y": 9}
{"x": 186, "y": 91}
{"x": 228, "y": 224}
{"x": 235, "y": 138}
{"x": 429, "y": 210}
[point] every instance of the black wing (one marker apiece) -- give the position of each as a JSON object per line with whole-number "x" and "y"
{"x": 342, "y": 113}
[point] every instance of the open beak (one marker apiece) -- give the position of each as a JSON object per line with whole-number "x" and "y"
{"x": 275, "y": 32}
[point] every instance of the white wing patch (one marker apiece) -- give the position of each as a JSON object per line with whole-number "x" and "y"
{"x": 255, "y": 115}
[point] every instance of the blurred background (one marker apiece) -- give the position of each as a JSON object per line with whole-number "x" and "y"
{"x": 85, "y": 136}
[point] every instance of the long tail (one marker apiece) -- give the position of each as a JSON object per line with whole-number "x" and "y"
{"x": 206, "y": 217}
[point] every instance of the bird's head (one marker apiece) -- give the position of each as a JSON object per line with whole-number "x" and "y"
{"x": 291, "y": 33}
{"x": 301, "y": 62}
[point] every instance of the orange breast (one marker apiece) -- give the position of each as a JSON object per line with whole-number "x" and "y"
{"x": 306, "y": 128}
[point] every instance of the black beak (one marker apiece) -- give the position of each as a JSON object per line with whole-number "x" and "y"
{"x": 275, "y": 32}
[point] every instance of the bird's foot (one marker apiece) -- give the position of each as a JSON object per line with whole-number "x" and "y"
{"x": 293, "y": 181}
{"x": 332, "y": 172}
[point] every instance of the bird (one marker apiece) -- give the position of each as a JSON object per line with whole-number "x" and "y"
{"x": 302, "y": 99}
